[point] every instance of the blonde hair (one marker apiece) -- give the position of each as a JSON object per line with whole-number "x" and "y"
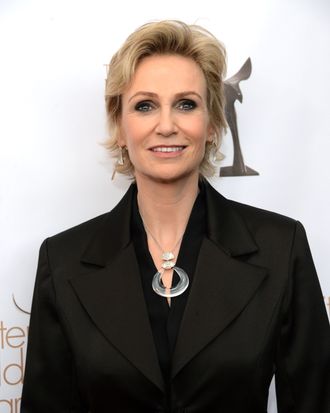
{"x": 168, "y": 37}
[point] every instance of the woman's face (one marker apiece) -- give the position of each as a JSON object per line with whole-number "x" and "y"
{"x": 165, "y": 122}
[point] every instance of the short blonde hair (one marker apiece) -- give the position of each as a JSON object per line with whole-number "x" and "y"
{"x": 168, "y": 37}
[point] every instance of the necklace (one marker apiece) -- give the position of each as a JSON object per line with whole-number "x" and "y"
{"x": 168, "y": 264}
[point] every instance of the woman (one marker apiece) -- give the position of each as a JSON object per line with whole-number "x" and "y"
{"x": 177, "y": 300}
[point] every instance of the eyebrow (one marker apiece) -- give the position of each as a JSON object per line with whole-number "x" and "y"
{"x": 177, "y": 95}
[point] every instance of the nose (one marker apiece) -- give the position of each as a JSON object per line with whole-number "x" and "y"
{"x": 166, "y": 125}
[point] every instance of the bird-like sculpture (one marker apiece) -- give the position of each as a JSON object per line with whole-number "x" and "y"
{"x": 233, "y": 93}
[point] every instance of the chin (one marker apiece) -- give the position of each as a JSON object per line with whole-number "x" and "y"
{"x": 174, "y": 177}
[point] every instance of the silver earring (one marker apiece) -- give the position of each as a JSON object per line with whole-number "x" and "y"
{"x": 120, "y": 160}
{"x": 217, "y": 155}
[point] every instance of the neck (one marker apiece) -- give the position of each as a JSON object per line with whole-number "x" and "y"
{"x": 166, "y": 207}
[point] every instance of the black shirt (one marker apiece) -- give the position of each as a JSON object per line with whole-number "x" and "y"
{"x": 164, "y": 319}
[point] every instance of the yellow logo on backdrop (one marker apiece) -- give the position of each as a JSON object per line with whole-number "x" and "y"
{"x": 13, "y": 340}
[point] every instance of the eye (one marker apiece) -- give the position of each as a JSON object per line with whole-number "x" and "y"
{"x": 144, "y": 106}
{"x": 186, "y": 105}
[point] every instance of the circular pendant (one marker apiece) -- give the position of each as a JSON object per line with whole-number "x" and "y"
{"x": 180, "y": 288}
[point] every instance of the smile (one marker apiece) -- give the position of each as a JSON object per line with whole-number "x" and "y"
{"x": 167, "y": 149}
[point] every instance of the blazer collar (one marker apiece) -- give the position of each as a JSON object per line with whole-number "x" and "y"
{"x": 112, "y": 233}
{"x": 112, "y": 293}
{"x": 225, "y": 227}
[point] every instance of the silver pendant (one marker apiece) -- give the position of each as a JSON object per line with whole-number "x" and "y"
{"x": 180, "y": 288}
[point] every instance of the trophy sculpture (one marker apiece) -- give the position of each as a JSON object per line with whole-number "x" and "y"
{"x": 233, "y": 93}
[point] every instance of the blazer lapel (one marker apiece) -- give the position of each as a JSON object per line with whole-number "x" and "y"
{"x": 112, "y": 292}
{"x": 223, "y": 285}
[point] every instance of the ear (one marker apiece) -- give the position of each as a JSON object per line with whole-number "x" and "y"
{"x": 210, "y": 134}
{"x": 120, "y": 141}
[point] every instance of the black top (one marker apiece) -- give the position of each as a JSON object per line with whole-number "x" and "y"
{"x": 164, "y": 319}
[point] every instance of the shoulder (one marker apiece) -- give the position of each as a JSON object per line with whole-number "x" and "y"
{"x": 269, "y": 227}
{"x": 260, "y": 217}
{"x": 249, "y": 212}
{"x": 259, "y": 222}
{"x": 79, "y": 232}
{"x": 268, "y": 238}
{"x": 104, "y": 227}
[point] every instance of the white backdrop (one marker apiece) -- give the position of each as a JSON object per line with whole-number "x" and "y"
{"x": 54, "y": 174}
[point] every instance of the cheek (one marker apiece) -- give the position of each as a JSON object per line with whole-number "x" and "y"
{"x": 127, "y": 132}
{"x": 134, "y": 129}
{"x": 199, "y": 131}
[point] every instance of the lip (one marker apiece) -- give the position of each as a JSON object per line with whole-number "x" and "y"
{"x": 167, "y": 151}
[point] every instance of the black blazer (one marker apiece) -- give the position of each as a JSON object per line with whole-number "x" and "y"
{"x": 255, "y": 309}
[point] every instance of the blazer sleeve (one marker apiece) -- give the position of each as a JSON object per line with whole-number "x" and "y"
{"x": 302, "y": 375}
{"x": 50, "y": 383}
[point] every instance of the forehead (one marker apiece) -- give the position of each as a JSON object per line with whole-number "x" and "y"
{"x": 168, "y": 74}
